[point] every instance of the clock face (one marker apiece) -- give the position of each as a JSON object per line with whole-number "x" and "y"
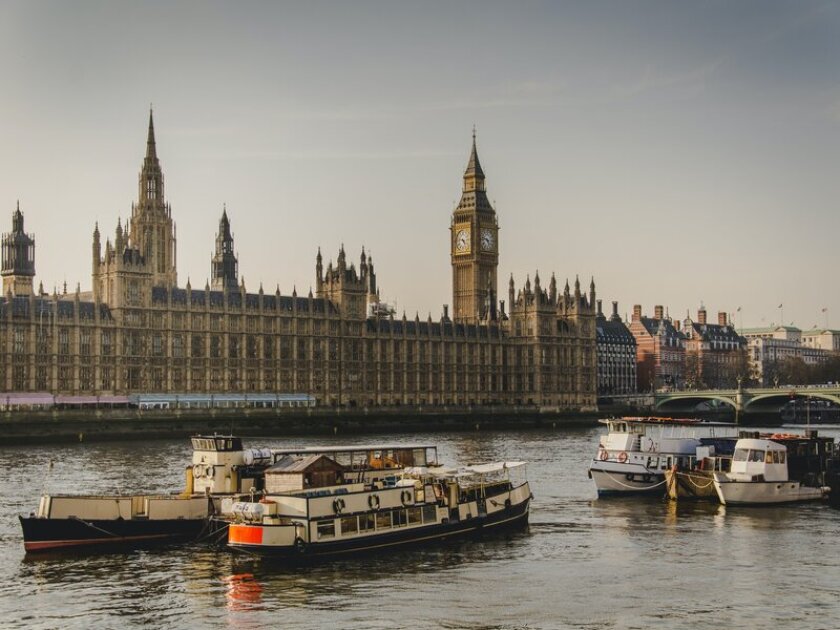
{"x": 488, "y": 241}
{"x": 462, "y": 241}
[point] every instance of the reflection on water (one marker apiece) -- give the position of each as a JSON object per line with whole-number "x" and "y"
{"x": 582, "y": 563}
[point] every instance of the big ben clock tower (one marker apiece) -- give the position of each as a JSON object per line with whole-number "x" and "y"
{"x": 474, "y": 248}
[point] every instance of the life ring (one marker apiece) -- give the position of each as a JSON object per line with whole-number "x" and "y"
{"x": 373, "y": 502}
{"x": 211, "y": 471}
{"x": 405, "y": 497}
{"x": 622, "y": 457}
{"x": 198, "y": 470}
{"x": 300, "y": 544}
{"x": 604, "y": 455}
{"x": 338, "y": 506}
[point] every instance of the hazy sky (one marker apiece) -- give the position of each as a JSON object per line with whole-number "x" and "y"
{"x": 680, "y": 152}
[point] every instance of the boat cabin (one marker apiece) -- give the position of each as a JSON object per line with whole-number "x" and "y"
{"x": 759, "y": 460}
{"x": 293, "y": 473}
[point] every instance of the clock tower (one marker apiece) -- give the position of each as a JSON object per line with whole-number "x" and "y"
{"x": 474, "y": 248}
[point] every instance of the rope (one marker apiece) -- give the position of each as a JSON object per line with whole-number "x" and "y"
{"x": 620, "y": 483}
{"x": 690, "y": 477}
{"x": 92, "y": 526}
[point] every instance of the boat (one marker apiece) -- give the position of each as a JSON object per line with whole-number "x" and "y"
{"x": 341, "y": 512}
{"x": 695, "y": 481}
{"x": 220, "y": 473}
{"x": 220, "y": 467}
{"x": 637, "y": 451}
{"x": 776, "y": 468}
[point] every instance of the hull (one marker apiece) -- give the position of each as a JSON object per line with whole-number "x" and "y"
{"x": 513, "y": 517}
{"x": 613, "y": 478}
{"x": 691, "y": 484}
{"x": 765, "y": 492}
{"x": 51, "y": 534}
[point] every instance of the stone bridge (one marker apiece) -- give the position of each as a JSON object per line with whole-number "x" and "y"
{"x": 741, "y": 400}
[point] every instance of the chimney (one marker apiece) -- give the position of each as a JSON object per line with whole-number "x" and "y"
{"x": 598, "y": 302}
{"x": 722, "y": 319}
{"x": 615, "y": 316}
{"x": 677, "y": 325}
{"x": 445, "y": 312}
{"x": 701, "y": 316}
{"x": 637, "y": 312}
{"x": 658, "y": 311}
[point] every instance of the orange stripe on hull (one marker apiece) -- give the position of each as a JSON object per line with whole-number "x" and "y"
{"x": 245, "y": 534}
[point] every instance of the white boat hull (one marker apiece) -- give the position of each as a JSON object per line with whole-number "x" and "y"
{"x": 617, "y": 478}
{"x": 765, "y": 492}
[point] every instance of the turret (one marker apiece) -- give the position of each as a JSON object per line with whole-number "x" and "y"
{"x": 224, "y": 266}
{"x": 18, "y": 258}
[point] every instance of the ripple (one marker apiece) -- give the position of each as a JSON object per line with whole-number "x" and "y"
{"x": 582, "y": 562}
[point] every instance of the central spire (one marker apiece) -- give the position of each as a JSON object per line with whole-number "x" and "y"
{"x": 151, "y": 150}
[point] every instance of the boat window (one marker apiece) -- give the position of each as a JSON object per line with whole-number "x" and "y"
{"x": 768, "y": 458}
{"x": 349, "y": 525}
{"x": 366, "y": 522}
{"x": 400, "y": 518}
{"x": 775, "y": 457}
{"x": 414, "y": 516}
{"x": 781, "y": 457}
{"x": 740, "y": 455}
{"x": 383, "y": 520}
{"x": 429, "y": 514}
{"x": 326, "y": 529}
{"x": 755, "y": 455}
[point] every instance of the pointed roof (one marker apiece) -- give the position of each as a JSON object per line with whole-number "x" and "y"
{"x": 474, "y": 166}
{"x": 151, "y": 149}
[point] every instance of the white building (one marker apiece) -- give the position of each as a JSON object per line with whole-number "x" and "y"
{"x": 775, "y": 344}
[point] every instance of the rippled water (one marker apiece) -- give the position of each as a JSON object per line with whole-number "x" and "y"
{"x": 583, "y": 563}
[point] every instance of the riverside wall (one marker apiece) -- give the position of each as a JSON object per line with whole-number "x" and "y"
{"x": 27, "y": 427}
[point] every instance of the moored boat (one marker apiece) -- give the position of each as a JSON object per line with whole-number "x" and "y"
{"x": 636, "y": 452}
{"x": 421, "y": 505}
{"x": 221, "y": 473}
{"x": 220, "y": 467}
{"x": 696, "y": 480}
{"x": 779, "y": 468}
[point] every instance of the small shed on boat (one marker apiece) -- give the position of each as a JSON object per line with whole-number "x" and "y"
{"x": 302, "y": 472}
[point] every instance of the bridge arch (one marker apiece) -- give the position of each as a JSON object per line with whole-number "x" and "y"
{"x": 782, "y": 398}
{"x": 694, "y": 399}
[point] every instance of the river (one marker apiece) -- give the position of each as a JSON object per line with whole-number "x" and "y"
{"x": 582, "y": 563}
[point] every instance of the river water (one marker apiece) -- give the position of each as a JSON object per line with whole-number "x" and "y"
{"x": 582, "y": 563}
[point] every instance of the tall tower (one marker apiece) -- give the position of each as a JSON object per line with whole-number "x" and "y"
{"x": 18, "y": 258}
{"x": 224, "y": 266}
{"x": 152, "y": 231}
{"x": 474, "y": 247}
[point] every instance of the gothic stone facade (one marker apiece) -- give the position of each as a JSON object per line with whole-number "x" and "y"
{"x": 138, "y": 331}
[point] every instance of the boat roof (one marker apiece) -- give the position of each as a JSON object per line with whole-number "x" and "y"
{"x": 304, "y": 450}
{"x": 760, "y": 444}
{"x": 291, "y": 464}
{"x": 661, "y": 420}
{"x": 464, "y": 471}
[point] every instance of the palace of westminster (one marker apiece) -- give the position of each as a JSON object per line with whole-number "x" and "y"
{"x": 137, "y": 331}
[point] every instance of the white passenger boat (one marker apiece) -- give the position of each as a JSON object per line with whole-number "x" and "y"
{"x": 636, "y": 452}
{"x": 339, "y": 512}
{"x": 779, "y": 468}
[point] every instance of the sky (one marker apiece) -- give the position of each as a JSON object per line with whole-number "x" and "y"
{"x": 681, "y": 153}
